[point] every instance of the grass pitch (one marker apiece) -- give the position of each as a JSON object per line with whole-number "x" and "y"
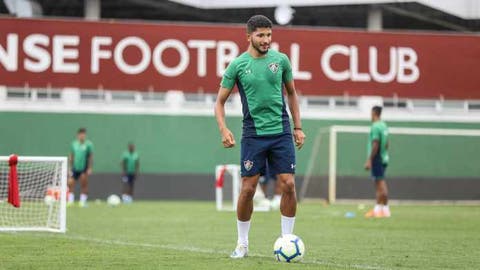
{"x": 192, "y": 235}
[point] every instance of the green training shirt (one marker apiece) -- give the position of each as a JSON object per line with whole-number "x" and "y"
{"x": 260, "y": 84}
{"x": 379, "y": 131}
{"x": 81, "y": 152}
{"x": 130, "y": 160}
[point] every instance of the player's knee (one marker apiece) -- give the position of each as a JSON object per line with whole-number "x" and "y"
{"x": 248, "y": 190}
{"x": 288, "y": 185}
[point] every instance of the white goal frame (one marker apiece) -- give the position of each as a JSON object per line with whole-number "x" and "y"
{"x": 332, "y": 152}
{"x": 63, "y": 194}
{"x": 234, "y": 170}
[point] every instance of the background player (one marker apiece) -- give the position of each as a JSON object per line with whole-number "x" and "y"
{"x": 260, "y": 74}
{"x": 377, "y": 162}
{"x": 130, "y": 167}
{"x": 267, "y": 178}
{"x": 81, "y": 162}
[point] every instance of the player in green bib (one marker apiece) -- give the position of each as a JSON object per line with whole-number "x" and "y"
{"x": 81, "y": 161}
{"x": 377, "y": 162}
{"x": 261, "y": 75}
{"x": 130, "y": 167}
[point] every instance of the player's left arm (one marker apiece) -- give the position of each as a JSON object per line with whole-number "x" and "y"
{"x": 373, "y": 153}
{"x": 90, "y": 161}
{"x": 375, "y": 134}
{"x": 137, "y": 167}
{"x": 298, "y": 134}
{"x": 90, "y": 164}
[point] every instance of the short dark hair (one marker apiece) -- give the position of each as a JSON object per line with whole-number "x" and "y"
{"x": 377, "y": 110}
{"x": 258, "y": 21}
{"x": 82, "y": 130}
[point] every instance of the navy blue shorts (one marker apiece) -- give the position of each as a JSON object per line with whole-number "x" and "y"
{"x": 76, "y": 174}
{"x": 378, "y": 170}
{"x": 277, "y": 150}
{"x": 128, "y": 179}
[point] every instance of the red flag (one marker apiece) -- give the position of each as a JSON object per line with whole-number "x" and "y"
{"x": 13, "y": 193}
{"x": 221, "y": 178}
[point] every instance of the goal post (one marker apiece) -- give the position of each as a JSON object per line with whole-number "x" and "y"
{"x": 42, "y": 189}
{"x": 324, "y": 158}
{"x": 227, "y": 190}
{"x": 220, "y": 172}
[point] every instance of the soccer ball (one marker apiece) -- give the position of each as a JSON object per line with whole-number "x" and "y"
{"x": 289, "y": 248}
{"x": 113, "y": 200}
{"x": 49, "y": 200}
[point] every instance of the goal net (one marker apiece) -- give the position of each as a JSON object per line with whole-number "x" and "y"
{"x": 425, "y": 163}
{"x": 42, "y": 190}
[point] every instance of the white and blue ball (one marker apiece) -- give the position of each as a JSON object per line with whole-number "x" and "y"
{"x": 289, "y": 248}
{"x": 113, "y": 200}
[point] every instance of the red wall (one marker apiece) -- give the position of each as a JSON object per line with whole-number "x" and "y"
{"x": 59, "y": 53}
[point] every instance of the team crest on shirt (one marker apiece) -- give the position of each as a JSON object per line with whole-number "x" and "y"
{"x": 248, "y": 164}
{"x": 273, "y": 67}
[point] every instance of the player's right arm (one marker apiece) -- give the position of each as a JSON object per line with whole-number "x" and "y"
{"x": 228, "y": 140}
{"x": 123, "y": 164}
{"x": 70, "y": 158}
{"x": 226, "y": 85}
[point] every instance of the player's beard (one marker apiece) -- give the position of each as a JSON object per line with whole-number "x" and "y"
{"x": 258, "y": 48}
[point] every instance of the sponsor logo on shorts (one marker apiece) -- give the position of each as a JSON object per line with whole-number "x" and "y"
{"x": 248, "y": 165}
{"x": 273, "y": 67}
{"x": 293, "y": 166}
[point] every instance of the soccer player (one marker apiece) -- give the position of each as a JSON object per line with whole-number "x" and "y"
{"x": 377, "y": 162}
{"x": 81, "y": 162}
{"x": 130, "y": 167}
{"x": 260, "y": 75}
{"x": 267, "y": 177}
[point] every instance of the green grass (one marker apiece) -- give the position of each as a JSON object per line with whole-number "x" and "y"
{"x": 192, "y": 235}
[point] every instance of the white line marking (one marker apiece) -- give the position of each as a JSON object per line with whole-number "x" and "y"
{"x": 200, "y": 250}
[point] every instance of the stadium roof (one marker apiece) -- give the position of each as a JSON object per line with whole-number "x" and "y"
{"x": 466, "y": 9}
{"x": 439, "y": 15}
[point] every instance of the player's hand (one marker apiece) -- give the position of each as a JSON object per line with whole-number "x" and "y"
{"x": 368, "y": 165}
{"x": 227, "y": 138}
{"x": 299, "y": 138}
{"x": 89, "y": 171}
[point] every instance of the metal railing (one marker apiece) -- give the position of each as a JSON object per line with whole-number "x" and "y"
{"x": 199, "y": 100}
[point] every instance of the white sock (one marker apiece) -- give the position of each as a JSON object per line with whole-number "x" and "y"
{"x": 386, "y": 208}
{"x": 242, "y": 228}
{"x": 277, "y": 197}
{"x": 377, "y": 208}
{"x": 83, "y": 197}
{"x": 71, "y": 197}
{"x": 287, "y": 224}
